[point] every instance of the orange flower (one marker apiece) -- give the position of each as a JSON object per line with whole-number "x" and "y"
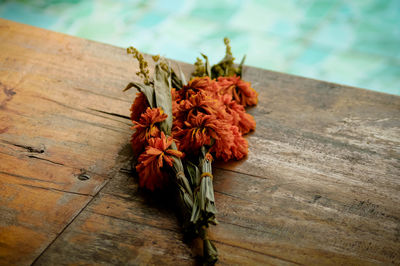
{"x": 198, "y": 84}
{"x": 153, "y": 159}
{"x": 235, "y": 148}
{"x": 201, "y": 102}
{"x": 197, "y": 132}
{"x": 205, "y": 130}
{"x": 146, "y": 127}
{"x": 139, "y": 106}
{"x": 244, "y": 121}
{"x": 241, "y": 91}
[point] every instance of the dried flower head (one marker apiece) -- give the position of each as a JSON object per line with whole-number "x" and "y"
{"x": 241, "y": 91}
{"x": 146, "y": 127}
{"x": 200, "y": 102}
{"x": 156, "y": 156}
{"x": 244, "y": 121}
{"x": 197, "y": 84}
{"x": 204, "y": 130}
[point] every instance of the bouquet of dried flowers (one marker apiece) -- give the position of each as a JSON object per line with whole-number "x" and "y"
{"x": 180, "y": 127}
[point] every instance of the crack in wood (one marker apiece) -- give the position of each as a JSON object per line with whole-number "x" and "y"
{"x": 29, "y": 148}
{"x": 109, "y": 113}
{"x": 105, "y": 176}
{"x": 43, "y": 159}
{"x": 102, "y": 95}
{"x": 78, "y": 109}
{"x": 26, "y": 147}
{"x": 115, "y": 129}
{"x": 56, "y": 189}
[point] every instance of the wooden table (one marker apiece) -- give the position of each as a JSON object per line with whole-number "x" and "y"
{"x": 321, "y": 183}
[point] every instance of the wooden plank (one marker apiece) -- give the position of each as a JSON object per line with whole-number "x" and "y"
{"x": 320, "y": 184}
{"x": 250, "y": 232}
{"x": 31, "y": 217}
{"x": 52, "y": 131}
{"x": 140, "y": 228}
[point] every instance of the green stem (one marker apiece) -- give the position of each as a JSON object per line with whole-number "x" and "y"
{"x": 204, "y": 210}
{"x": 210, "y": 253}
{"x": 206, "y": 199}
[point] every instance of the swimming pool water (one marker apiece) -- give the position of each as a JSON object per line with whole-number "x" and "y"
{"x": 355, "y": 42}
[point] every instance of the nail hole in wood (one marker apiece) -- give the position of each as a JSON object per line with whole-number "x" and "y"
{"x": 83, "y": 177}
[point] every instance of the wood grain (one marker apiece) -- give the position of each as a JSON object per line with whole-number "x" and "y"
{"x": 320, "y": 184}
{"x": 51, "y": 132}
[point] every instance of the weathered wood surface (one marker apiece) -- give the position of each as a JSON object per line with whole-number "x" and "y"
{"x": 320, "y": 185}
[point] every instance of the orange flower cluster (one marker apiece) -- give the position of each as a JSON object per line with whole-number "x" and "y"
{"x": 206, "y": 112}
{"x": 211, "y": 113}
{"x": 208, "y": 120}
{"x": 151, "y": 143}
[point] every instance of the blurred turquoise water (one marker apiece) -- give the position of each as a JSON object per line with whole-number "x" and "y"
{"x": 355, "y": 42}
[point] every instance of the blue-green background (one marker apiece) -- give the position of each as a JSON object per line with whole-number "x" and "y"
{"x": 353, "y": 42}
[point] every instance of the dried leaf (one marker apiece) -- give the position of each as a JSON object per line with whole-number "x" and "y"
{"x": 183, "y": 78}
{"x": 147, "y": 90}
{"x": 162, "y": 87}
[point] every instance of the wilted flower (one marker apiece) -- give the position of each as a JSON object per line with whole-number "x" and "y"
{"x": 153, "y": 159}
{"x": 244, "y": 121}
{"x": 202, "y": 130}
{"x": 198, "y": 84}
{"x": 146, "y": 127}
{"x": 241, "y": 91}
{"x": 235, "y": 147}
{"x": 201, "y": 102}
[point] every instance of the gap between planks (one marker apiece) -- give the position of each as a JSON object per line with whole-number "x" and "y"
{"x": 72, "y": 220}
